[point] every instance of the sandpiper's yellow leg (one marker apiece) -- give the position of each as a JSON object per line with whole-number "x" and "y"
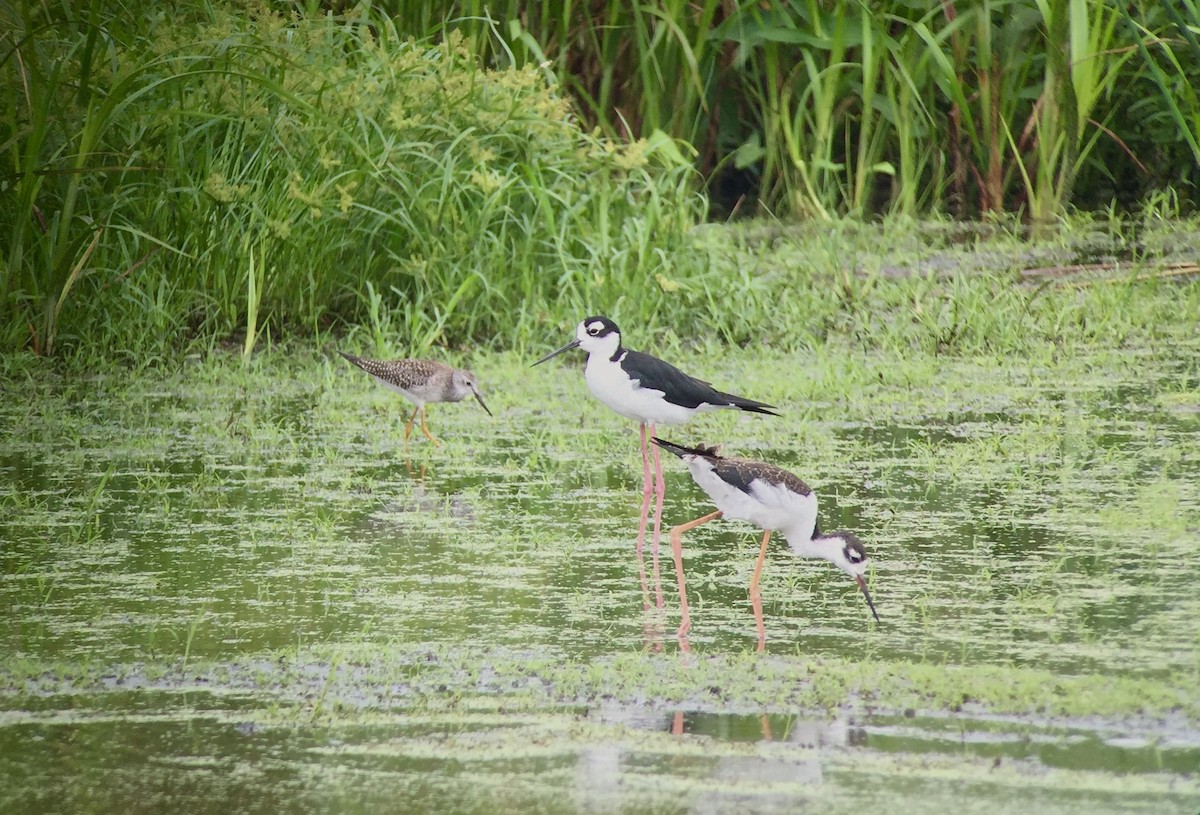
{"x": 765, "y": 726}
{"x": 408, "y": 427}
{"x": 425, "y": 430}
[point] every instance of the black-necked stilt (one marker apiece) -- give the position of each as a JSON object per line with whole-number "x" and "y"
{"x": 651, "y": 392}
{"x": 773, "y": 499}
{"x": 421, "y": 381}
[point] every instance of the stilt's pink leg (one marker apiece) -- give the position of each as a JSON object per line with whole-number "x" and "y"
{"x": 756, "y": 595}
{"x": 641, "y": 536}
{"x": 685, "y": 621}
{"x": 660, "y": 491}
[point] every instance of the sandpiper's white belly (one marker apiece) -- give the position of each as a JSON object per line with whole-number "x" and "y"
{"x": 409, "y": 395}
{"x": 770, "y": 506}
{"x": 612, "y": 386}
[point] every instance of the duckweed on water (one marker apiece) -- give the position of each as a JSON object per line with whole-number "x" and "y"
{"x": 234, "y": 562}
{"x": 1007, "y": 526}
{"x": 355, "y": 681}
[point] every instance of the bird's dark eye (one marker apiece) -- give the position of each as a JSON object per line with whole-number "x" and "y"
{"x": 854, "y": 555}
{"x": 593, "y": 331}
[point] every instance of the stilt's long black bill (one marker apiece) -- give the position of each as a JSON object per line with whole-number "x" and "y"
{"x": 862, "y": 584}
{"x": 563, "y": 350}
{"x": 670, "y": 447}
{"x": 479, "y": 399}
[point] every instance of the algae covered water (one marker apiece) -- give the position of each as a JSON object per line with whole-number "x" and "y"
{"x": 235, "y": 589}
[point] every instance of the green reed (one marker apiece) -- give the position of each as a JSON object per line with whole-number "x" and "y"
{"x": 231, "y": 176}
{"x": 855, "y": 108}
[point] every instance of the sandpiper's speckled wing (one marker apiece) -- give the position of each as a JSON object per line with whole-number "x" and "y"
{"x": 407, "y": 374}
{"x": 679, "y": 388}
{"x": 740, "y": 473}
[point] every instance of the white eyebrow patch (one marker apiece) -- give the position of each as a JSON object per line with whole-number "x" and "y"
{"x": 596, "y": 326}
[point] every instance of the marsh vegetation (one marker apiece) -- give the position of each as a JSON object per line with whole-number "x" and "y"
{"x": 469, "y": 174}
{"x": 230, "y": 585}
{"x": 236, "y": 560}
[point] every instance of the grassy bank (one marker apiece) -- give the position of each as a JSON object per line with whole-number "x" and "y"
{"x": 223, "y": 175}
{"x": 928, "y": 290}
{"x": 240, "y": 176}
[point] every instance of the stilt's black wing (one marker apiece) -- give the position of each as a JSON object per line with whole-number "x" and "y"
{"x": 739, "y": 473}
{"x": 680, "y": 389}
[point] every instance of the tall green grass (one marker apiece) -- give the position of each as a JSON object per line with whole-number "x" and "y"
{"x": 230, "y": 175}
{"x": 844, "y": 107}
{"x": 431, "y": 171}
{"x": 1171, "y": 58}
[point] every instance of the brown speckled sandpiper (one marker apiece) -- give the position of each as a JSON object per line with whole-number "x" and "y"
{"x": 421, "y": 381}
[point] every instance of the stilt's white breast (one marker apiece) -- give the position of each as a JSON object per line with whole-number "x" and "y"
{"x": 610, "y": 384}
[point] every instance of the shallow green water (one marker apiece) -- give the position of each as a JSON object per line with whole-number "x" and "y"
{"x": 235, "y": 590}
{"x": 206, "y": 759}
